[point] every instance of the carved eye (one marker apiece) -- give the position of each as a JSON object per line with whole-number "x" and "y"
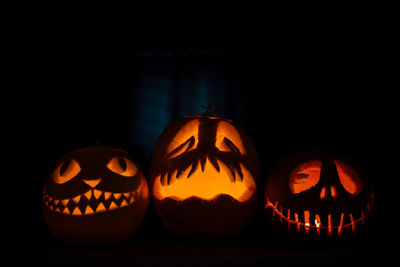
{"x": 184, "y": 140}
{"x": 228, "y": 139}
{"x": 122, "y": 166}
{"x": 349, "y": 178}
{"x": 305, "y": 176}
{"x": 66, "y": 171}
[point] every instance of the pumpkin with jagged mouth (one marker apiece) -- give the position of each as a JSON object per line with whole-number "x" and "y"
{"x": 322, "y": 195}
{"x": 203, "y": 177}
{"x": 96, "y": 194}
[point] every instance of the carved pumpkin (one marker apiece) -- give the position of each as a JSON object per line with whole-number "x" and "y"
{"x": 204, "y": 175}
{"x": 319, "y": 194}
{"x": 95, "y": 195}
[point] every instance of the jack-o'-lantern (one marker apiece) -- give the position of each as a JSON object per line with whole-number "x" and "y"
{"x": 204, "y": 175}
{"x": 322, "y": 194}
{"x": 95, "y": 195}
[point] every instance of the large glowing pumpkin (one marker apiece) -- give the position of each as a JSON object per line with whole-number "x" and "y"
{"x": 95, "y": 195}
{"x": 318, "y": 194}
{"x": 204, "y": 175}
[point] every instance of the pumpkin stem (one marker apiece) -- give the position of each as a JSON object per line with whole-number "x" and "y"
{"x": 210, "y": 111}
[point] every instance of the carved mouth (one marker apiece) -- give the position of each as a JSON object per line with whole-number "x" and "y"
{"x": 309, "y": 221}
{"x": 207, "y": 182}
{"x": 91, "y": 202}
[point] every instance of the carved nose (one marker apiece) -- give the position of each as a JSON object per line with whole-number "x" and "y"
{"x": 333, "y": 193}
{"x": 92, "y": 183}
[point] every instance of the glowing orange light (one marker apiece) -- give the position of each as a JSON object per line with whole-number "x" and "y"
{"x": 227, "y": 130}
{"x": 181, "y": 139}
{"x": 61, "y": 177}
{"x": 349, "y": 178}
{"x": 305, "y": 176}
{"x": 206, "y": 185}
{"x": 334, "y": 193}
{"x": 323, "y": 193}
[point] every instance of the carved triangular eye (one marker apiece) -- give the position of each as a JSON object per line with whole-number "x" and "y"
{"x": 228, "y": 139}
{"x": 182, "y": 148}
{"x": 66, "y": 171}
{"x": 349, "y": 178}
{"x": 305, "y": 176}
{"x": 122, "y": 166}
{"x": 186, "y": 139}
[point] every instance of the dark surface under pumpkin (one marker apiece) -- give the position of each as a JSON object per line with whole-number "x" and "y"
{"x": 95, "y": 195}
{"x": 204, "y": 174}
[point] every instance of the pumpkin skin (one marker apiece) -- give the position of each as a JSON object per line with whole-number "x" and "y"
{"x": 318, "y": 195}
{"x": 204, "y": 175}
{"x": 95, "y": 195}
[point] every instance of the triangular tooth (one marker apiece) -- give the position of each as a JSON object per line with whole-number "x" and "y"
{"x": 57, "y": 209}
{"x": 65, "y": 202}
{"x": 66, "y": 211}
{"x": 77, "y": 212}
{"x": 117, "y": 196}
{"x": 113, "y": 206}
{"x": 127, "y": 195}
{"x": 203, "y": 163}
{"x": 76, "y": 199}
{"x": 214, "y": 163}
{"x": 56, "y": 201}
{"x": 97, "y": 193}
{"x": 101, "y": 207}
{"x": 193, "y": 169}
{"x": 124, "y": 203}
{"x": 88, "y": 194}
{"x": 107, "y": 195}
{"x": 132, "y": 199}
{"x": 88, "y": 210}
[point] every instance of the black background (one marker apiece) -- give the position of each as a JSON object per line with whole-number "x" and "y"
{"x": 302, "y": 88}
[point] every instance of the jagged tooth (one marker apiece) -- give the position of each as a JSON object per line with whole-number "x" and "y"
{"x": 113, "y": 206}
{"x": 194, "y": 167}
{"x": 55, "y": 201}
{"x": 232, "y": 172}
{"x": 227, "y": 169}
{"x": 183, "y": 173}
{"x": 171, "y": 175}
{"x": 107, "y": 195}
{"x": 203, "y": 163}
{"x": 76, "y": 199}
{"x": 127, "y": 195}
{"x": 124, "y": 203}
{"x": 117, "y": 195}
{"x": 178, "y": 173}
{"x": 132, "y": 198}
{"x": 163, "y": 178}
{"x": 239, "y": 169}
{"x": 65, "y": 202}
{"x": 77, "y": 212}
{"x": 88, "y": 210}
{"x": 214, "y": 163}
{"x": 97, "y": 193}
{"x": 66, "y": 211}
{"x": 88, "y": 194}
{"x": 101, "y": 207}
